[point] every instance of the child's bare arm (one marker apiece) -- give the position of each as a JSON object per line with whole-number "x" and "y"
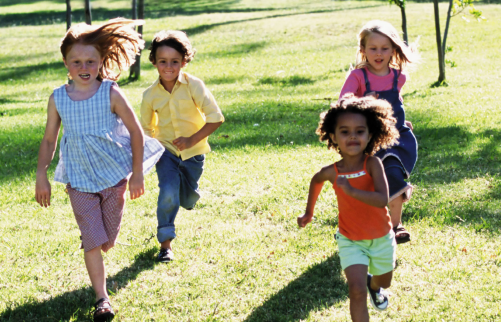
{"x": 46, "y": 154}
{"x": 123, "y": 109}
{"x": 183, "y": 143}
{"x": 378, "y": 198}
{"x": 316, "y": 184}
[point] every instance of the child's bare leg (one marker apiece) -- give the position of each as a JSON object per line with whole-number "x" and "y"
{"x": 396, "y": 210}
{"x": 357, "y": 284}
{"x": 97, "y": 272}
{"x": 166, "y": 244}
{"x": 383, "y": 281}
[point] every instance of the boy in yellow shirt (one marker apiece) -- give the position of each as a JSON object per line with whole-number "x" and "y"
{"x": 180, "y": 112}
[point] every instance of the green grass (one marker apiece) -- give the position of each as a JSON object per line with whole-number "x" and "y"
{"x": 239, "y": 253}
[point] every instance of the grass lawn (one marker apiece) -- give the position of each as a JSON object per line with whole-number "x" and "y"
{"x": 239, "y": 254}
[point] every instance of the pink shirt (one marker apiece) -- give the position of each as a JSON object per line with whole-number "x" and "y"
{"x": 355, "y": 83}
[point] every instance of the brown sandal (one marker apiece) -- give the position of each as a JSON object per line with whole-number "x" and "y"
{"x": 402, "y": 236}
{"x": 103, "y": 311}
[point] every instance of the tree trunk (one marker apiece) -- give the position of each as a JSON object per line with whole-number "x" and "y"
{"x": 68, "y": 14}
{"x": 88, "y": 15}
{"x": 447, "y": 22}
{"x": 134, "y": 9}
{"x": 441, "y": 61}
{"x": 135, "y": 69}
{"x": 404, "y": 24}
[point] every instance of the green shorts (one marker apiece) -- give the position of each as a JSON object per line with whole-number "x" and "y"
{"x": 378, "y": 254}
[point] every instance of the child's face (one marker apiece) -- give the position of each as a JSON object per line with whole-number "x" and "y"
{"x": 378, "y": 50}
{"x": 83, "y": 63}
{"x": 351, "y": 134}
{"x": 168, "y": 63}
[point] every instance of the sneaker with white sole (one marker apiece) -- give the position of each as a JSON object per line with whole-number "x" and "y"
{"x": 165, "y": 255}
{"x": 379, "y": 299}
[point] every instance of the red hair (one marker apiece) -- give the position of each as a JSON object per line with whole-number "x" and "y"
{"x": 116, "y": 41}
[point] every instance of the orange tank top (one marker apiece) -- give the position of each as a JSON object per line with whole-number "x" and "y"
{"x": 358, "y": 220}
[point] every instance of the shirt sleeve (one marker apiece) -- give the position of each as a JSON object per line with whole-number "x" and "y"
{"x": 352, "y": 85}
{"x": 149, "y": 119}
{"x": 204, "y": 99}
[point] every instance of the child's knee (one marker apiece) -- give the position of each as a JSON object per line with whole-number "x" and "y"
{"x": 358, "y": 291}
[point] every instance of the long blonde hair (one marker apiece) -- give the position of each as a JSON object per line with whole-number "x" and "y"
{"x": 405, "y": 56}
{"x": 116, "y": 41}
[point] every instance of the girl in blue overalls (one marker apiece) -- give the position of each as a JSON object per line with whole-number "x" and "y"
{"x": 382, "y": 57}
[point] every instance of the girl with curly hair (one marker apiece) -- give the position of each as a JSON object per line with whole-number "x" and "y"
{"x": 357, "y": 128}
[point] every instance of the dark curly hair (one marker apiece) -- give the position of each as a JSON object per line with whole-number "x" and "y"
{"x": 379, "y": 116}
{"x": 175, "y": 39}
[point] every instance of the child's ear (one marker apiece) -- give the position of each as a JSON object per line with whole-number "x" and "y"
{"x": 184, "y": 63}
{"x": 362, "y": 49}
{"x": 333, "y": 137}
{"x": 65, "y": 65}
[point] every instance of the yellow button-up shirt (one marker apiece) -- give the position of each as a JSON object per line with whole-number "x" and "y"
{"x": 167, "y": 116}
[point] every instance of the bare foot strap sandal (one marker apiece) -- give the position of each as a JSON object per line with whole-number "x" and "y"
{"x": 402, "y": 236}
{"x": 103, "y": 311}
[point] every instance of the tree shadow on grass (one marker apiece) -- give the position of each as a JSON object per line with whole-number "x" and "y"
{"x": 42, "y": 71}
{"x": 98, "y": 14}
{"x": 320, "y": 287}
{"x": 75, "y": 305}
{"x": 203, "y": 28}
{"x": 286, "y": 81}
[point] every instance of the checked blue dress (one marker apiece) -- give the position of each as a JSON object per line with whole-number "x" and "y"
{"x": 95, "y": 150}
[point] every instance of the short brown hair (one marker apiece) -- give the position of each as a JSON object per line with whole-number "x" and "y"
{"x": 379, "y": 116}
{"x": 175, "y": 39}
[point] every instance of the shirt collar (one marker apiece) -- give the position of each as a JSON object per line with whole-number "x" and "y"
{"x": 182, "y": 78}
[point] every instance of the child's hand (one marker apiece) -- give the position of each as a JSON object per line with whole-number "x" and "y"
{"x": 42, "y": 191}
{"x": 305, "y": 219}
{"x": 136, "y": 185}
{"x": 409, "y": 125}
{"x": 183, "y": 143}
{"x": 343, "y": 183}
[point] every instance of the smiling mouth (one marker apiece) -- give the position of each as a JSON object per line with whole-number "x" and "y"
{"x": 84, "y": 76}
{"x": 353, "y": 144}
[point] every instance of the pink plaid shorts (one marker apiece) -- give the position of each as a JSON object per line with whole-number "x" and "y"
{"x": 99, "y": 214}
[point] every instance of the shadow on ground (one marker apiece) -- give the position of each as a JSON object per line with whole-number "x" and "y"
{"x": 98, "y": 14}
{"x": 320, "y": 287}
{"x": 75, "y": 305}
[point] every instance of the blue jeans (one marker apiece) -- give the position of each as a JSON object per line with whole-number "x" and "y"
{"x": 178, "y": 183}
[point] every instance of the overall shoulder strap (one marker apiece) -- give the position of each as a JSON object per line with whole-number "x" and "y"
{"x": 367, "y": 84}
{"x": 395, "y": 79}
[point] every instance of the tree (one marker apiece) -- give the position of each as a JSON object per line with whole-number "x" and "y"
{"x": 401, "y": 5}
{"x": 137, "y": 13}
{"x": 88, "y": 15}
{"x": 455, "y": 8}
{"x": 68, "y": 14}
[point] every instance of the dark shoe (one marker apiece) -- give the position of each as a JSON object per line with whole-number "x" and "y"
{"x": 165, "y": 255}
{"x": 401, "y": 234}
{"x": 379, "y": 299}
{"x": 103, "y": 311}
